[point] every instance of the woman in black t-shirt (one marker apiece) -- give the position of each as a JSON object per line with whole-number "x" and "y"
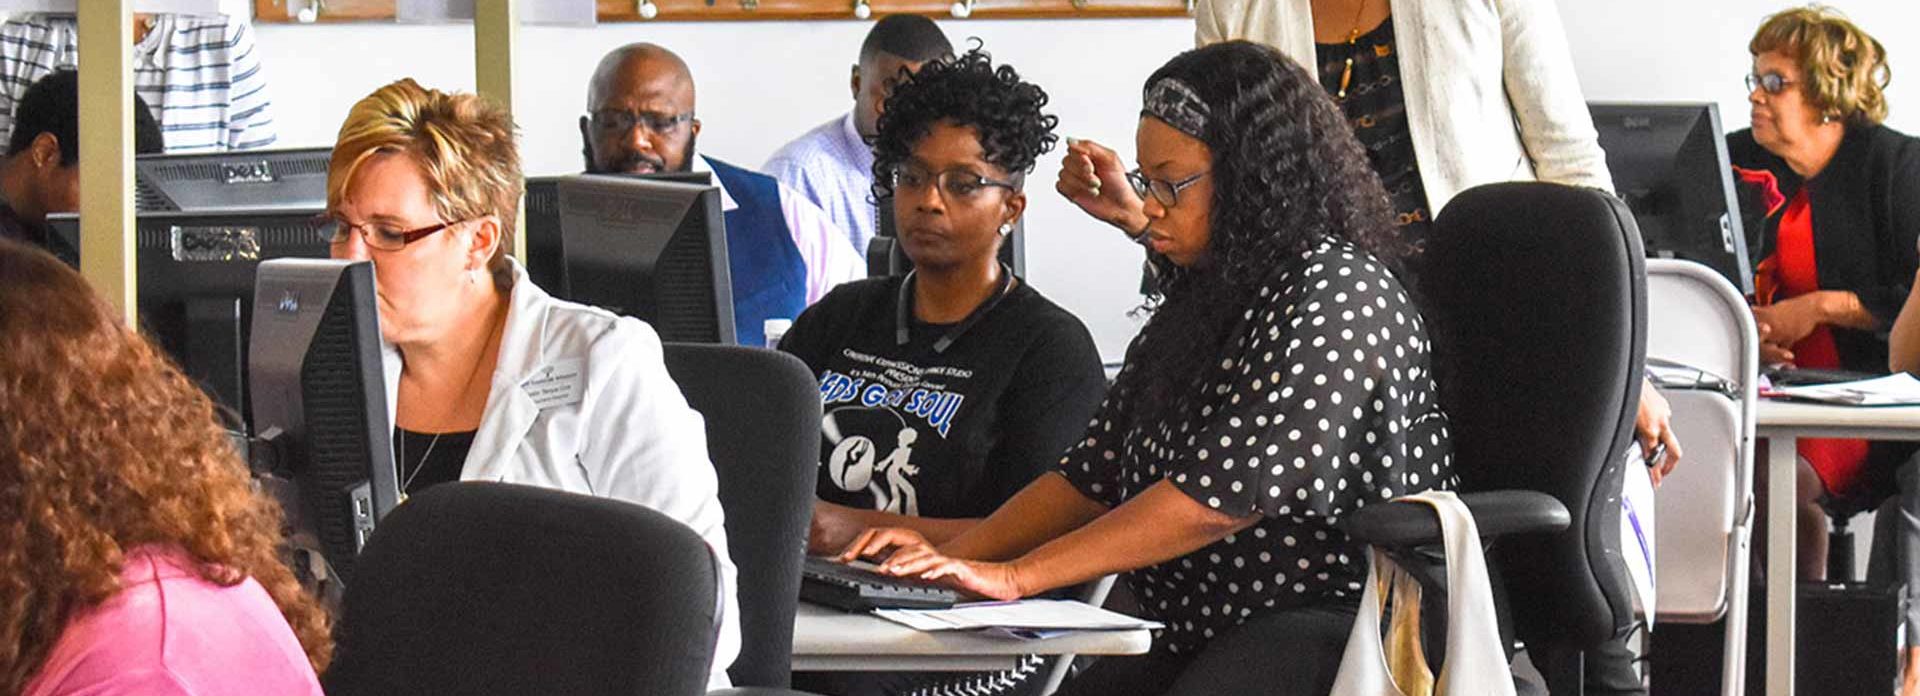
{"x": 947, "y": 390}
{"x": 1281, "y": 384}
{"x": 950, "y": 389}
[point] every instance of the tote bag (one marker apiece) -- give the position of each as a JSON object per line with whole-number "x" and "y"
{"x": 1476, "y": 663}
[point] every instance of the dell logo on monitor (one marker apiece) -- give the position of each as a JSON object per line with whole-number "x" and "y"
{"x": 257, "y": 172}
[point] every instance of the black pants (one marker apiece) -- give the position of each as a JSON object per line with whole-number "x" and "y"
{"x": 1609, "y": 666}
{"x": 1288, "y": 653}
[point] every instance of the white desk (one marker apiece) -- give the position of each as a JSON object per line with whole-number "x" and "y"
{"x": 829, "y": 640}
{"x": 1782, "y": 423}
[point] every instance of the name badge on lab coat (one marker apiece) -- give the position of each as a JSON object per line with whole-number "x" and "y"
{"x": 563, "y": 383}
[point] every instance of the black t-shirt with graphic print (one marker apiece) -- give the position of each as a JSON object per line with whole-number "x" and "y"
{"x": 1321, "y": 402}
{"x": 943, "y": 433}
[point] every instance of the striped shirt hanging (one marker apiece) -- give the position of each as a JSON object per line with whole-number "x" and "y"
{"x": 200, "y": 75}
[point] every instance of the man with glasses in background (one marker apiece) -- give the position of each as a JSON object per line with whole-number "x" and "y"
{"x": 784, "y": 252}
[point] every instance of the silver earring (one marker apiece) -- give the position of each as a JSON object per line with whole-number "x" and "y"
{"x": 1006, "y": 229}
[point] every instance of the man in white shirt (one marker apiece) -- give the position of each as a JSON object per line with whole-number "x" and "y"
{"x": 783, "y": 251}
{"x": 832, "y": 164}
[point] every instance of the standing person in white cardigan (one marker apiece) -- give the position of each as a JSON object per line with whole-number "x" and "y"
{"x": 1488, "y": 85}
{"x": 1445, "y": 95}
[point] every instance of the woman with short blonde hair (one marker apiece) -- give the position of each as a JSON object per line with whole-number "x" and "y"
{"x": 425, "y": 184}
{"x": 462, "y": 143}
{"x": 135, "y": 555}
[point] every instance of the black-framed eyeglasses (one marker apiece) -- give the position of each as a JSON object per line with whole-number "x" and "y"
{"x": 1771, "y": 83}
{"x": 1166, "y": 192}
{"x": 618, "y": 121}
{"x": 955, "y": 184}
{"x": 336, "y": 231}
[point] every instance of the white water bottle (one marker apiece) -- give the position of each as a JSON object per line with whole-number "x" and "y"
{"x": 775, "y": 329}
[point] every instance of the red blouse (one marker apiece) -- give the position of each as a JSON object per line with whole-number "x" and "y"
{"x": 1840, "y": 463}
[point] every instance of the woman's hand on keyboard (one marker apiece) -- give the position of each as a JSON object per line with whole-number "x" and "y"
{"x": 881, "y": 544}
{"x": 905, "y": 553}
{"x": 991, "y": 580}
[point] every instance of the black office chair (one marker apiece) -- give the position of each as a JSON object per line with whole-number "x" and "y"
{"x": 1536, "y": 297}
{"x": 762, "y": 410}
{"x": 491, "y": 588}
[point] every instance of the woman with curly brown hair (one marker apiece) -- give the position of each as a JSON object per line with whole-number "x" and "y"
{"x": 134, "y": 555}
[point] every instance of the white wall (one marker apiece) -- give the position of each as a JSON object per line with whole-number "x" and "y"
{"x": 1696, "y": 50}
{"x": 762, "y": 83}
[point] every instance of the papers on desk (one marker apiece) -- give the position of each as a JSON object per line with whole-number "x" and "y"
{"x": 1891, "y": 390}
{"x": 1026, "y": 618}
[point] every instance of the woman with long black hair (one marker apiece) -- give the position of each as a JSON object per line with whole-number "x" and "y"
{"x": 1282, "y": 382}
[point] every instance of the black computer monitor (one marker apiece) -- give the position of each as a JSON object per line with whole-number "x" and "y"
{"x": 196, "y": 283}
{"x": 641, "y": 246}
{"x": 1669, "y": 163}
{"x": 546, "y": 251}
{"x": 319, "y": 400}
{"x": 886, "y": 257}
{"x": 293, "y": 179}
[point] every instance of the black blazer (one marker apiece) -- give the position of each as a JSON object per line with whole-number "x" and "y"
{"x": 1866, "y": 221}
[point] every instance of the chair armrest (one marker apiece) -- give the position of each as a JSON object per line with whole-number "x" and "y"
{"x": 1495, "y": 514}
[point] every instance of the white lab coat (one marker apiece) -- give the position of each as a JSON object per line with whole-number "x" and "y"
{"x": 1489, "y": 84}
{"x": 622, "y": 430}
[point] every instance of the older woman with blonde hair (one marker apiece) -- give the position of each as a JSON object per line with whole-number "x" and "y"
{"x": 495, "y": 379}
{"x": 1838, "y": 256}
{"x": 135, "y": 557}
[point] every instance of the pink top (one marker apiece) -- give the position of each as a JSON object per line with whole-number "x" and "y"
{"x": 170, "y": 632}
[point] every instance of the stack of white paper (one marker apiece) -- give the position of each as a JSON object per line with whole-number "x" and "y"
{"x": 1026, "y": 618}
{"x": 1891, "y": 390}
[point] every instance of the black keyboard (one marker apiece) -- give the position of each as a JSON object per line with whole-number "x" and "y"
{"x": 1796, "y": 376}
{"x": 853, "y": 588}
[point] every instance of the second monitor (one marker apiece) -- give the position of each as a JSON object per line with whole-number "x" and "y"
{"x": 653, "y": 248}
{"x": 1670, "y": 165}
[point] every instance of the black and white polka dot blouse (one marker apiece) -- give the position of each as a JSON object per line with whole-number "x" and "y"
{"x": 1321, "y": 402}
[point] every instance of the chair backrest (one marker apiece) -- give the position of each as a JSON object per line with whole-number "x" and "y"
{"x": 1696, "y": 318}
{"x": 762, "y": 410}
{"x": 492, "y": 588}
{"x": 1536, "y": 295}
